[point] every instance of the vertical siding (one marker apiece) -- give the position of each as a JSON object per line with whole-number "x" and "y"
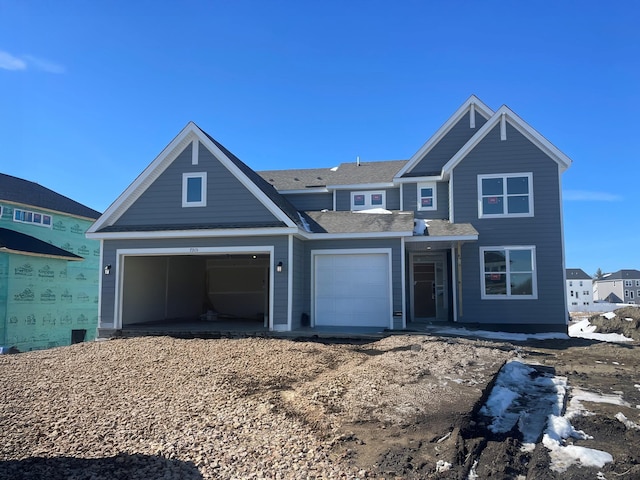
{"x": 410, "y": 197}
{"x": 280, "y": 244}
{"x": 228, "y": 201}
{"x": 448, "y": 146}
{"x": 543, "y": 230}
{"x": 311, "y": 201}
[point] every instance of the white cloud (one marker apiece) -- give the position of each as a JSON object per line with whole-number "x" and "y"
{"x": 588, "y": 196}
{"x": 27, "y": 62}
{"x": 9, "y": 62}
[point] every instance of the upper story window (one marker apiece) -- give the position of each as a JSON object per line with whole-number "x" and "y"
{"x": 508, "y": 272}
{"x": 637, "y": 281}
{"x": 628, "y": 283}
{"x": 367, "y": 200}
{"x": 505, "y": 195}
{"x": 194, "y": 189}
{"x": 25, "y": 216}
{"x": 427, "y": 196}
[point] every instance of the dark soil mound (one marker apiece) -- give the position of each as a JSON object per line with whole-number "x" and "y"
{"x": 626, "y": 322}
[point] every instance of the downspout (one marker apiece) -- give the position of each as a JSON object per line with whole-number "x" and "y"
{"x": 459, "y": 279}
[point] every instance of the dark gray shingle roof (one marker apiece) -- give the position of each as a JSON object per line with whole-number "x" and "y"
{"x": 622, "y": 275}
{"x": 344, "y": 174}
{"x": 14, "y": 189}
{"x": 577, "y": 274}
{"x": 444, "y": 228}
{"x": 353, "y": 222}
{"x": 26, "y": 244}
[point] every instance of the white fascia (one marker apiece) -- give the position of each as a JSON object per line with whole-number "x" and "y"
{"x": 210, "y": 233}
{"x": 362, "y": 186}
{"x": 304, "y": 190}
{"x": 521, "y": 126}
{"x": 478, "y": 106}
{"x": 430, "y": 178}
{"x": 452, "y": 238}
{"x": 347, "y": 236}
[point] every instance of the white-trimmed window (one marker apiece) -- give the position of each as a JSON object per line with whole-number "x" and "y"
{"x": 26, "y": 216}
{"x": 508, "y": 272}
{"x": 628, "y": 283}
{"x": 626, "y": 293}
{"x": 427, "y": 196}
{"x": 368, "y": 200}
{"x": 194, "y": 189}
{"x": 505, "y": 195}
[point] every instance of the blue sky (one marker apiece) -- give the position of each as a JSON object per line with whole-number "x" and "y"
{"x": 91, "y": 92}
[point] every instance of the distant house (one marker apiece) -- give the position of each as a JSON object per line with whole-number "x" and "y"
{"x": 622, "y": 286}
{"x": 468, "y": 231}
{"x": 579, "y": 290}
{"x": 48, "y": 268}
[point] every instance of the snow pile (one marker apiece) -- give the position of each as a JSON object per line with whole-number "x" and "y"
{"x": 379, "y": 211}
{"x": 584, "y": 329}
{"x": 419, "y": 226}
{"x": 519, "y": 337}
{"x": 626, "y": 422}
{"x": 532, "y": 400}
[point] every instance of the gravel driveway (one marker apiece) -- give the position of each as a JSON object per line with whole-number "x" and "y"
{"x": 235, "y": 408}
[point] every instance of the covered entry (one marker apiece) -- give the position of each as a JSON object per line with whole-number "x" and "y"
{"x": 352, "y": 288}
{"x": 207, "y": 285}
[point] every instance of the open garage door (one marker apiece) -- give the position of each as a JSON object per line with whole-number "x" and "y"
{"x": 352, "y": 289}
{"x": 186, "y": 287}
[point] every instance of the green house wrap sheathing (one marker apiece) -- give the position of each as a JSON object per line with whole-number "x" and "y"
{"x": 48, "y": 302}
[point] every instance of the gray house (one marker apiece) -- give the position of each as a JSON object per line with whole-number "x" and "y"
{"x": 622, "y": 286}
{"x": 468, "y": 230}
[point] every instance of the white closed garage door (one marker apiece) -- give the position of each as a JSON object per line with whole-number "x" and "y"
{"x": 352, "y": 290}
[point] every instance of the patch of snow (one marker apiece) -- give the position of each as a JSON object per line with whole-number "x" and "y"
{"x": 375, "y": 210}
{"x": 305, "y": 224}
{"x": 533, "y": 400}
{"x": 472, "y": 473}
{"x": 626, "y": 422}
{"x": 609, "y": 315}
{"x": 584, "y": 329}
{"x": 463, "y": 332}
{"x": 334, "y": 169}
{"x": 578, "y": 396}
{"x": 628, "y": 319}
{"x": 442, "y": 466}
{"x": 419, "y": 226}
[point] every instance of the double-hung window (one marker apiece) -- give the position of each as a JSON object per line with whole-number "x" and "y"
{"x": 194, "y": 189}
{"x": 368, "y": 200}
{"x": 508, "y": 272}
{"x": 505, "y": 195}
{"x": 628, "y": 283}
{"x": 427, "y": 196}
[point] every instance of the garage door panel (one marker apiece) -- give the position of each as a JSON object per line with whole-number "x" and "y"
{"x": 352, "y": 290}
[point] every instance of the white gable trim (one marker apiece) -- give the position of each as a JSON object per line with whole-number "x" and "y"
{"x": 472, "y": 101}
{"x": 189, "y": 134}
{"x": 523, "y": 127}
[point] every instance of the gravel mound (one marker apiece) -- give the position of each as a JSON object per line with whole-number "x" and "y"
{"x": 230, "y": 408}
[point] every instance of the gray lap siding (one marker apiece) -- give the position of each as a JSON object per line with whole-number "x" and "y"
{"x": 311, "y": 201}
{"x": 543, "y": 231}
{"x": 343, "y": 198}
{"x": 410, "y": 201}
{"x": 280, "y": 253}
{"x": 228, "y": 200}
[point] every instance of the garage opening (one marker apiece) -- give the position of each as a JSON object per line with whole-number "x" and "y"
{"x": 196, "y": 289}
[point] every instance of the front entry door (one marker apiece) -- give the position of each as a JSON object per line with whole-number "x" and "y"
{"x": 424, "y": 290}
{"x": 429, "y": 293}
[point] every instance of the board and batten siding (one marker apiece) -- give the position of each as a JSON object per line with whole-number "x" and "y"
{"x": 392, "y": 198}
{"x": 228, "y": 201}
{"x": 356, "y": 244}
{"x": 410, "y": 201}
{"x": 311, "y": 201}
{"x": 448, "y": 146}
{"x": 543, "y": 230}
{"x": 280, "y": 253}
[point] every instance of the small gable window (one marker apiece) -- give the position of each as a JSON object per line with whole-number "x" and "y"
{"x": 367, "y": 200}
{"x": 194, "y": 189}
{"x": 427, "y": 196}
{"x": 507, "y": 195}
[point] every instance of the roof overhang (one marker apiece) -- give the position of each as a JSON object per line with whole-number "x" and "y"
{"x": 228, "y": 232}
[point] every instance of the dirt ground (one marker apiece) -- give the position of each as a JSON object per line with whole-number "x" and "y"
{"x": 403, "y": 407}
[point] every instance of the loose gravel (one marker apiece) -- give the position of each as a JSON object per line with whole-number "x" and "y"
{"x": 166, "y": 408}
